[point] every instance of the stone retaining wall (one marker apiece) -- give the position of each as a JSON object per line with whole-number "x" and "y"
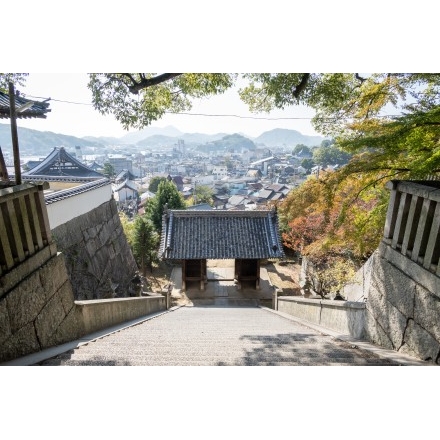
{"x": 346, "y": 317}
{"x": 97, "y": 253}
{"x": 403, "y": 306}
{"x": 40, "y": 312}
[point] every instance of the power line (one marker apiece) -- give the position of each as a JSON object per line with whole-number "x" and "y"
{"x": 57, "y": 100}
{"x": 178, "y": 113}
{"x": 205, "y": 114}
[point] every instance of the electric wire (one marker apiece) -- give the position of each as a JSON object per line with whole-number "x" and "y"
{"x": 203, "y": 114}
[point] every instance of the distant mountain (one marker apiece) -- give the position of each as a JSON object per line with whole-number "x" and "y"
{"x": 233, "y": 143}
{"x": 41, "y": 142}
{"x": 135, "y": 137}
{"x": 103, "y": 140}
{"x": 157, "y": 141}
{"x": 280, "y": 137}
{"x": 201, "y": 138}
{"x": 190, "y": 139}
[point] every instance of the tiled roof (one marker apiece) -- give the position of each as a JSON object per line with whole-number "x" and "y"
{"x": 37, "y": 109}
{"x": 265, "y": 194}
{"x": 66, "y": 193}
{"x": 125, "y": 184}
{"x": 218, "y": 234}
{"x": 60, "y": 163}
{"x": 124, "y": 174}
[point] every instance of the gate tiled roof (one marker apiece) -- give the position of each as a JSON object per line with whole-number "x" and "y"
{"x": 220, "y": 234}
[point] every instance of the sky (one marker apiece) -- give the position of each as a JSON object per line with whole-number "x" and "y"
{"x": 77, "y": 117}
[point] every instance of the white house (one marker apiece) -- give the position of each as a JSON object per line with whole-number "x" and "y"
{"x": 126, "y": 190}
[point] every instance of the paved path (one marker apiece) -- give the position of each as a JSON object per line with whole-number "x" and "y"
{"x": 216, "y": 335}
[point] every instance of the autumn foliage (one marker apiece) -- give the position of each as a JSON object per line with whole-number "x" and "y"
{"x": 336, "y": 221}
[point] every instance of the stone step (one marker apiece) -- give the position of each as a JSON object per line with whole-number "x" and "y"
{"x": 225, "y": 302}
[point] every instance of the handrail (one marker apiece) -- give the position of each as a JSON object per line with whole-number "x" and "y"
{"x": 413, "y": 222}
{"x": 24, "y": 224}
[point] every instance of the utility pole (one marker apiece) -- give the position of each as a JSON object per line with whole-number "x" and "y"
{"x": 194, "y": 195}
{"x": 14, "y": 134}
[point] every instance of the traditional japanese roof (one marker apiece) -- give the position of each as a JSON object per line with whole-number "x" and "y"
{"x": 59, "y": 163}
{"x": 277, "y": 196}
{"x": 123, "y": 175}
{"x": 218, "y": 234}
{"x": 66, "y": 193}
{"x": 265, "y": 194}
{"x": 236, "y": 200}
{"x": 125, "y": 184}
{"x": 36, "y": 110}
{"x": 95, "y": 166}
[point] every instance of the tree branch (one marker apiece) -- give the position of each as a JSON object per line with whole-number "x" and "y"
{"x": 302, "y": 85}
{"x": 359, "y": 78}
{"x": 144, "y": 83}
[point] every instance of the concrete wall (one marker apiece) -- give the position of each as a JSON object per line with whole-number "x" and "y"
{"x": 342, "y": 316}
{"x": 99, "y": 314}
{"x": 64, "y": 210}
{"x": 97, "y": 253}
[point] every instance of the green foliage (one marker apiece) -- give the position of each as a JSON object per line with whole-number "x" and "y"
{"x": 335, "y": 274}
{"x": 349, "y": 108}
{"x": 127, "y": 227}
{"x": 229, "y": 143}
{"x": 386, "y": 125}
{"x": 331, "y": 155}
{"x": 135, "y": 106}
{"x": 145, "y": 242}
{"x": 167, "y": 194}
{"x": 108, "y": 170}
{"x": 308, "y": 164}
{"x": 18, "y": 79}
{"x": 301, "y": 148}
{"x": 202, "y": 194}
{"x": 154, "y": 183}
{"x": 327, "y": 142}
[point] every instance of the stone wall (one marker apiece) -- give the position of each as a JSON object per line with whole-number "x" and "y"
{"x": 98, "y": 258}
{"x": 402, "y": 313}
{"x": 39, "y": 312}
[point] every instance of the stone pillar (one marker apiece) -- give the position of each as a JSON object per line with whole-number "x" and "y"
{"x": 275, "y": 294}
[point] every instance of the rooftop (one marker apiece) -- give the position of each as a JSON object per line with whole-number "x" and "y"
{"x": 219, "y": 234}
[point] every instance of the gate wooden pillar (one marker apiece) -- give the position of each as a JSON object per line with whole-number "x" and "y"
{"x": 194, "y": 270}
{"x": 247, "y": 270}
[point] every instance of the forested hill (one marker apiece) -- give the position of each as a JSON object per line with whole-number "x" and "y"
{"x": 41, "y": 142}
{"x": 280, "y": 137}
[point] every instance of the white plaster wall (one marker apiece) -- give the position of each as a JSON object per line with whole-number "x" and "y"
{"x": 67, "y": 209}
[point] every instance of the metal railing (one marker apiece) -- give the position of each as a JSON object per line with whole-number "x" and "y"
{"x": 413, "y": 222}
{"x": 24, "y": 224}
